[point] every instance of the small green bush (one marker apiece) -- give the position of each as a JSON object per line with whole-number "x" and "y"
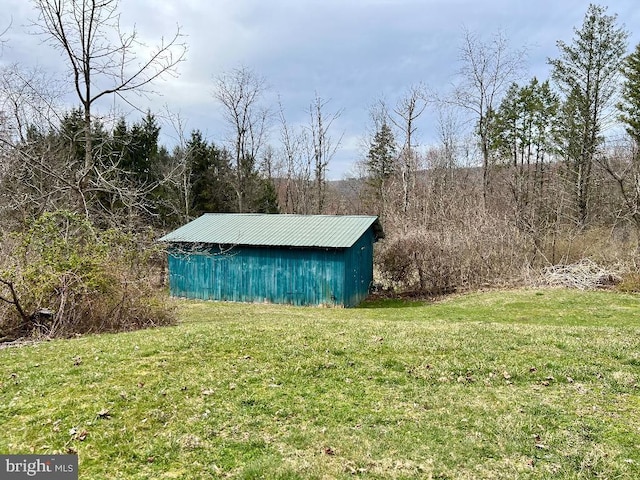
{"x": 66, "y": 277}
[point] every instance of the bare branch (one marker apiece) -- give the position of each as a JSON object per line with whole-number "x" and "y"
{"x": 15, "y": 300}
{"x": 240, "y": 92}
{"x": 101, "y": 57}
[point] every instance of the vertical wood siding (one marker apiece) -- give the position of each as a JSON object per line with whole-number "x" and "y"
{"x": 274, "y": 275}
{"x": 294, "y": 276}
{"x": 359, "y": 269}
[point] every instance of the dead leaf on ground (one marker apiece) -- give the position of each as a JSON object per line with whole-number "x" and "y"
{"x": 78, "y": 435}
{"x": 104, "y": 413}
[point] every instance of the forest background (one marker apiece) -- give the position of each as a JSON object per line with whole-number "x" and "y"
{"x": 527, "y": 174}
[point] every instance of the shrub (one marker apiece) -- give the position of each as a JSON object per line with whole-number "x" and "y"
{"x": 456, "y": 258}
{"x": 66, "y": 277}
{"x": 630, "y": 282}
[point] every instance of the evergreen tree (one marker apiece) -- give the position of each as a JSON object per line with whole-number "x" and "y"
{"x": 383, "y": 153}
{"x": 522, "y": 137}
{"x": 525, "y": 123}
{"x": 210, "y": 172}
{"x": 142, "y": 151}
{"x": 630, "y": 105}
{"x": 381, "y": 162}
{"x": 120, "y": 139}
{"x": 70, "y": 137}
{"x": 586, "y": 73}
{"x": 267, "y": 200}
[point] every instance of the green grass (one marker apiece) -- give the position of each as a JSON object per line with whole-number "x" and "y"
{"x": 524, "y": 384}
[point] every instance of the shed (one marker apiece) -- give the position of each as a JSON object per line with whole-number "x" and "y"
{"x": 275, "y": 258}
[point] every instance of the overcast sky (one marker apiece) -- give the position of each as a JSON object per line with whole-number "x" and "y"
{"x": 349, "y": 52}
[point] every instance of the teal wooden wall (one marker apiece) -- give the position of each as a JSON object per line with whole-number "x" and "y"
{"x": 359, "y": 269}
{"x": 276, "y": 275}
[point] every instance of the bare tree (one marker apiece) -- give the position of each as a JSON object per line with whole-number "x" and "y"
{"x": 29, "y": 101}
{"x": 444, "y": 164}
{"x": 176, "y": 174}
{"x": 321, "y": 147}
{"x": 27, "y": 98}
{"x": 102, "y": 59}
{"x": 380, "y": 160}
{"x": 620, "y": 161}
{"x": 3, "y": 40}
{"x": 296, "y": 182}
{"x": 449, "y": 133}
{"x": 487, "y": 69}
{"x": 240, "y": 92}
{"x": 407, "y": 111}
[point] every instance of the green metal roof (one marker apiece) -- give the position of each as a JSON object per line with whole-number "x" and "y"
{"x": 331, "y": 231}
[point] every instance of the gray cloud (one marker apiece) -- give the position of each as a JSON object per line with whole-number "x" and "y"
{"x": 348, "y": 51}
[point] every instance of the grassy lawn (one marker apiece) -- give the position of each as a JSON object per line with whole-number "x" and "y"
{"x": 524, "y": 384}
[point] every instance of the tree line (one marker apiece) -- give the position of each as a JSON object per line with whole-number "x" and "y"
{"x": 526, "y": 173}
{"x": 547, "y": 174}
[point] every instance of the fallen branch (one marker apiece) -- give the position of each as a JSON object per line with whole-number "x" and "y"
{"x": 584, "y": 275}
{"x": 15, "y": 301}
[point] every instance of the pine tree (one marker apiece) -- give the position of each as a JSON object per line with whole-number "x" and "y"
{"x": 381, "y": 162}
{"x": 211, "y": 190}
{"x": 382, "y": 154}
{"x": 586, "y": 72}
{"x": 624, "y": 167}
{"x": 523, "y": 130}
{"x": 143, "y": 151}
{"x": 630, "y": 105}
